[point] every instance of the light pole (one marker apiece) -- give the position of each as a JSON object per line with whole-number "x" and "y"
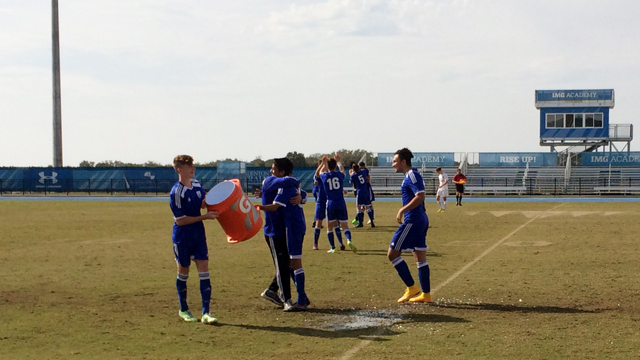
{"x": 57, "y": 108}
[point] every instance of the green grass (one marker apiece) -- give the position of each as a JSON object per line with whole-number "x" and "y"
{"x": 96, "y": 280}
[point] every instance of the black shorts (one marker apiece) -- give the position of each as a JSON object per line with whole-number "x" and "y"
{"x": 460, "y": 188}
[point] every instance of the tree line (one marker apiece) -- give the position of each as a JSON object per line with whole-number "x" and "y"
{"x": 298, "y": 160}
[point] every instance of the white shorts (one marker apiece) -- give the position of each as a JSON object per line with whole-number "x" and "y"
{"x": 443, "y": 191}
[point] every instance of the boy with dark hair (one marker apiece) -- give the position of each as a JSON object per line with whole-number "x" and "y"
{"x": 189, "y": 240}
{"x": 412, "y": 232}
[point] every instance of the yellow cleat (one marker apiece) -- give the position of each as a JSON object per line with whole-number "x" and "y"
{"x": 423, "y": 297}
{"x": 409, "y": 293}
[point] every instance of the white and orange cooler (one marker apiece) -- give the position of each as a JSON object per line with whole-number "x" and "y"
{"x": 239, "y": 219}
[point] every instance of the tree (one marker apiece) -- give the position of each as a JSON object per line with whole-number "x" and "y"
{"x": 151, "y": 163}
{"x": 349, "y": 156}
{"x": 85, "y": 163}
{"x": 297, "y": 159}
{"x": 312, "y": 160}
{"x": 258, "y": 162}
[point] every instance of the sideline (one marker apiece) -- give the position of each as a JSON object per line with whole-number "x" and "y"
{"x": 351, "y": 352}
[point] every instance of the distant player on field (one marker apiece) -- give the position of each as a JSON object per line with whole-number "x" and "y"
{"x": 412, "y": 232}
{"x": 332, "y": 181}
{"x": 459, "y": 180}
{"x": 443, "y": 190}
{"x": 189, "y": 240}
{"x": 372, "y": 196}
{"x": 359, "y": 178}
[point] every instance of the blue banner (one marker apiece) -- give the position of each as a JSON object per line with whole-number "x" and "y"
{"x": 518, "y": 159}
{"x": 574, "y": 95}
{"x": 419, "y": 159}
{"x": 616, "y": 159}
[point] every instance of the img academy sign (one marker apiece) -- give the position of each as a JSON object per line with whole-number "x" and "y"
{"x": 615, "y": 159}
{"x": 572, "y": 98}
{"x": 419, "y": 159}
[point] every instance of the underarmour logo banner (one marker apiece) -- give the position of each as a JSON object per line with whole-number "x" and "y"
{"x": 53, "y": 177}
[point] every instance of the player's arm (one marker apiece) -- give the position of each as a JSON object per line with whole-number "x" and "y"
{"x": 414, "y": 203}
{"x": 322, "y": 167}
{"x": 268, "y": 207}
{"x": 186, "y": 220}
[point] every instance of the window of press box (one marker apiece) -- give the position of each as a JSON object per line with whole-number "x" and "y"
{"x": 578, "y": 120}
{"x": 572, "y": 121}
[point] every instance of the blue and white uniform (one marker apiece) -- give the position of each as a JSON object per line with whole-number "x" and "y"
{"x": 412, "y": 234}
{"x": 321, "y": 201}
{"x": 359, "y": 178}
{"x": 189, "y": 241}
{"x": 333, "y": 186}
{"x": 293, "y": 218}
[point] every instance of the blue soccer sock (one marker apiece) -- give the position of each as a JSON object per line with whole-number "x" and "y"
{"x": 372, "y": 216}
{"x": 299, "y": 279}
{"x": 181, "y": 285}
{"x": 331, "y": 241}
{"x": 338, "y": 235}
{"x": 347, "y": 234}
{"x": 370, "y": 213}
{"x": 403, "y": 270}
{"x": 205, "y": 291}
{"x": 423, "y": 275}
{"x": 360, "y": 217}
{"x": 316, "y": 235}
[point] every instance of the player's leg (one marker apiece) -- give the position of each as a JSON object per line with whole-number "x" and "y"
{"x": 181, "y": 252}
{"x": 283, "y": 267}
{"x": 316, "y": 233}
{"x": 201, "y": 257}
{"x": 394, "y": 254}
{"x": 420, "y": 256}
{"x": 444, "y": 203}
{"x": 438, "y": 201}
{"x": 331, "y": 224}
{"x": 347, "y": 234}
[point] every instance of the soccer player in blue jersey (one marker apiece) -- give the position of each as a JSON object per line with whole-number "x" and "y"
{"x": 321, "y": 207}
{"x": 372, "y": 196}
{"x": 359, "y": 177}
{"x": 189, "y": 240}
{"x": 332, "y": 181}
{"x": 275, "y": 230}
{"x": 295, "y": 228}
{"x": 412, "y": 232}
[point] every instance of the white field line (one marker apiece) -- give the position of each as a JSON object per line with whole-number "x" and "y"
{"x": 349, "y": 354}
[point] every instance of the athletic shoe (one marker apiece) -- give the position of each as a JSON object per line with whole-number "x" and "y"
{"x": 342, "y": 247}
{"x": 315, "y": 247}
{"x": 187, "y": 316}
{"x": 332, "y": 251}
{"x": 208, "y": 319}
{"x": 359, "y": 225}
{"x": 272, "y": 296}
{"x": 372, "y": 224}
{"x": 460, "y": 204}
{"x": 354, "y": 221}
{"x": 368, "y": 222}
{"x": 293, "y": 307}
{"x": 409, "y": 293}
{"x": 423, "y": 297}
{"x": 353, "y": 247}
{"x": 440, "y": 210}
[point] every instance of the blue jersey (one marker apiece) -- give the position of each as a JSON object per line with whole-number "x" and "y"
{"x": 274, "y": 224}
{"x": 187, "y": 201}
{"x": 412, "y": 185}
{"x": 293, "y": 214}
{"x": 359, "y": 179}
{"x": 332, "y": 183}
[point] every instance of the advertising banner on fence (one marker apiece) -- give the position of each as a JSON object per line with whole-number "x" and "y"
{"x": 518, "y": 159}
{"x": 616, "y": 159}
{"x": 419, "y": 159}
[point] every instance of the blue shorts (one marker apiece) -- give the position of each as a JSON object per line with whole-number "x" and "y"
{"x": 337, "y": 210}
{"x": 363, "y": 198}
{"x": 321, "y": 210}
{"x": 187, "y": 250}
{"x": 295, "y": 237}
{"x": 410, "y": 237}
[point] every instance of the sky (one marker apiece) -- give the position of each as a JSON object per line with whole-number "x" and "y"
{"x": 146, "y": 80}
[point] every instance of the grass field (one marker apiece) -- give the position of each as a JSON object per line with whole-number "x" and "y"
{"x": 96, "y": 280}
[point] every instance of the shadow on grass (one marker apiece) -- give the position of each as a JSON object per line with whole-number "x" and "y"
{"x": 384, "y": 253}
{"x": 337, "y": 323}
{"x": 517, "y": 308}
